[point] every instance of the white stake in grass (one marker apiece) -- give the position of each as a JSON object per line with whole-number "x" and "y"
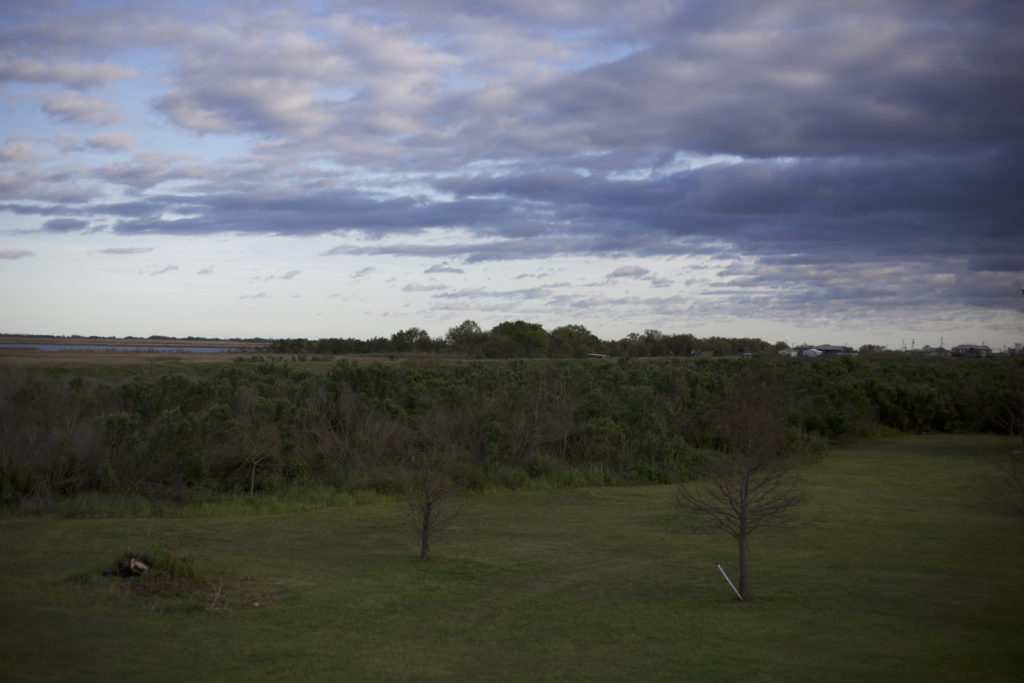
{"x": 730, "y": 582}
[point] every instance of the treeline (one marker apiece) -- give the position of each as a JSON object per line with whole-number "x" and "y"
{"x": 262, "y": 426}
{"x": 519, "y": 339}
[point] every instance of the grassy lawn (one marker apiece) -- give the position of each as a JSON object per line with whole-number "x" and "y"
{"x": 907, "y": 573}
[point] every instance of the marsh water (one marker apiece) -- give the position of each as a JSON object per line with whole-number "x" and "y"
{"x": 113, "y": 347}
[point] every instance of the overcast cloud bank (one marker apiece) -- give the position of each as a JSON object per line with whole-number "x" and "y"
{"x": 829, "y": 168}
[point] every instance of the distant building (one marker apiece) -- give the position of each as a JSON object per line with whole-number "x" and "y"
{"x": 931, "y": 352}
{"x": 829, "y": 350}
{"x": 971, "y": 351}
{"x": 817, "y": 351}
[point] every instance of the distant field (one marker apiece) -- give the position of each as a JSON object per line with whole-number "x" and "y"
{"x": 908, "y": 573}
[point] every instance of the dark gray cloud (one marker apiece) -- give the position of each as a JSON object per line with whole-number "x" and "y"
{"x": 66, "y": 225}
{"x": 629, "y": 272}
{"x": 443, "y": 267}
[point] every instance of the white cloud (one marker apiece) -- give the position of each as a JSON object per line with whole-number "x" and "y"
{"x": 73, "y": 107}
{"x": 19, "y": 151}
{"x": 70, "y": 74}
{"x": 111, "y": 142}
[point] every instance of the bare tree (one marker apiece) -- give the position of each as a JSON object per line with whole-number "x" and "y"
{"x": 430, "y": 490}
{"x": 1007, "y": 487}
{"x": 749, "y": 483}
{"x": 430, "y": 494}
{"x": 257, "y": 434}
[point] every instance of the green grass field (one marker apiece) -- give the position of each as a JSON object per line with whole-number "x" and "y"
{"x": 906, "y": 573}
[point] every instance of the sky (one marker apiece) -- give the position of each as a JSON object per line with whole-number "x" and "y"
{"x": 807, "y": 171}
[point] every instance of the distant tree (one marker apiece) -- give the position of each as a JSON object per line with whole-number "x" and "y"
{"x": 748, "y": 484}
{"x": 517, "y": 339}
{"x": 411, "y": 339}
{"x": 465, "y": 335}
{"x": 871, "y": 348}
{"x": 574, "y": 341}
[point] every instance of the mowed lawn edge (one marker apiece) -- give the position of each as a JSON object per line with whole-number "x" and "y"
{"x": 904, "y": 570}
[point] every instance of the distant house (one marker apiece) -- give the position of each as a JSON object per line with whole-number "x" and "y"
{"x": 829, "y": 350}
{"x": 971, "y": 351}
{"x": 817, "y": 351}
{"x": 931, "y": 351}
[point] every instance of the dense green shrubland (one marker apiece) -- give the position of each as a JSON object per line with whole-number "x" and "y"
{"x": 251, "y": 426}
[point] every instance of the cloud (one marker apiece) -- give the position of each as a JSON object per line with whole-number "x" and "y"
{"x": 259, "y": 295}
{"x": 66, "y": 225}
{"x": 166, "y": 269}
{"x": 417, "y": 287}
{"x": 443, "y": 268}
{"x": 208, "y": 270}
{"x": 72, "y": 107}
{"x": 13, "y": 254}
{"x": 111, "y": 142}
{"x": 126, "y": 250}
{"x": 629, "y": 271}
{"x": 70, "y": 74}
{"x": 808, "y": 144}
{"x": 19, "y": 151}
{"x": 479, "y": 292}
{"x": 291, "y": 274}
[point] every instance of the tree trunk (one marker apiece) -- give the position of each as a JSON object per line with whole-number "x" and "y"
{"x": 425, "y": 530}
{"x": 744, "y": 586}
{"x": 425, "y": 541}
